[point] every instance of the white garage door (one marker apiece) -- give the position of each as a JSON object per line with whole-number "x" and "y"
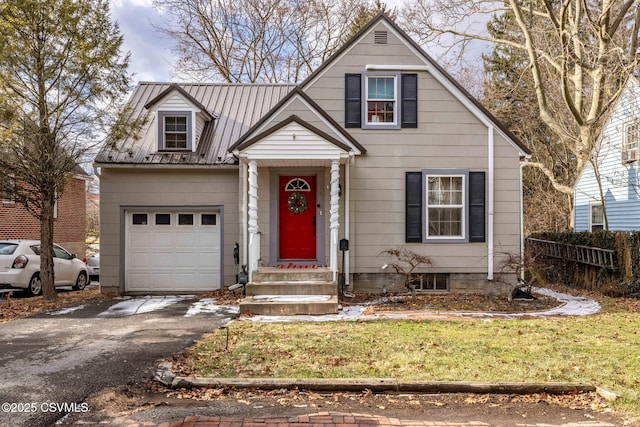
{"x": 172, "y": 251}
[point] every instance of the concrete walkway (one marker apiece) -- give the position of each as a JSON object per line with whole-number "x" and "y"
{"x": 570, "y": 306}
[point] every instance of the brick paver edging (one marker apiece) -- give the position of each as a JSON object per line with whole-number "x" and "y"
{"x": 333, "y": 419}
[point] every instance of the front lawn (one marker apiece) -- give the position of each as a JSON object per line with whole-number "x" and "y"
{"x": 603, "y": 350}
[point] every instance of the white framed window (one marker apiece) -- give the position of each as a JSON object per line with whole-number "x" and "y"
{"x": 596, "y": 216}
{"x": 174, "y": 130}
{"x": 445, "y": 206}
{"x": 381, "y": 100}
{"x": 630, "y": 144}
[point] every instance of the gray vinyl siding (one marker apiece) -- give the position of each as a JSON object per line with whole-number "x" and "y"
{"x": 448, "y": 136}
{"x": 451, "y": 134}
{"x": 620, "y": 181}
{"x": 179, "y": 188}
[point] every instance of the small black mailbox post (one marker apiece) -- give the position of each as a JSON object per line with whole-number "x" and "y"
{"x": 344, "y": 246}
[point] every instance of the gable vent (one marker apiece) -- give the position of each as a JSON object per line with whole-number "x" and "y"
{"x": 379, "y": 37}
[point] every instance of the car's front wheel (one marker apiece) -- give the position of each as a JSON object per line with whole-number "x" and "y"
{"x": 35, "y": 285}
{"x": 81, "y": 281}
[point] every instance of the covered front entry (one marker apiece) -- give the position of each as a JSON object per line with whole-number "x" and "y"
{"x": 303, "y": 163}
{"x": 297, "y": 218}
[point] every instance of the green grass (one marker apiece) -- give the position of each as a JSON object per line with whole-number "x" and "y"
{"x": 603, "y": 350}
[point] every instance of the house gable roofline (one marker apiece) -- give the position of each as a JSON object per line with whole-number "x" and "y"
{"x": 382, "y": 16}
{"x": 292, "y": 119}
{"x": 632, "y": 82}
{"x": 176, "y": 87}
{"x": 298, "y": 92}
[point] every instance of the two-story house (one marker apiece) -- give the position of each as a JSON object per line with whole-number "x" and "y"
{"x": 617, "y": 162}
{"x": 379, "y": 148}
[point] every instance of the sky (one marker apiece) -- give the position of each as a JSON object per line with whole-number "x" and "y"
{"x": 151, "y": 57}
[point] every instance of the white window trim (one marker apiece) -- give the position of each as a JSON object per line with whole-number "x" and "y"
{"x": 464, "y": 174}
{"x": 631, "y": 155}
{"x": 162, "y": 146}
{"x": 590, "y": 213}
{"x": 133, "y": 224}
{"x": 200, "y": 217}
{"x": 194, "y": 219}
{"x": 172, "y": 220}
{"x": 397, "y": 101}
{"x": 291, "y": 185}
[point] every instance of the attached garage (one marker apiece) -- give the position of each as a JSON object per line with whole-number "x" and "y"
{"x": 170, "y": 250}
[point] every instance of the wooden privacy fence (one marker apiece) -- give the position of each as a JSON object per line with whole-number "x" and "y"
{"x": 603, "y": 258}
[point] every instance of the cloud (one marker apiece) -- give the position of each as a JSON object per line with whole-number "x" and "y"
{"x": 151, "y": 56}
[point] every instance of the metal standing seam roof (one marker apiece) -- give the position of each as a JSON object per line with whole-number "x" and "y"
{"x": 235, "y": 108}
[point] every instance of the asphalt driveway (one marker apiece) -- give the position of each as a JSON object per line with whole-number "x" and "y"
{"x": 51, "y": 362}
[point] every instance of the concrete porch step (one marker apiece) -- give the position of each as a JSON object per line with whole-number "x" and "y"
{"x": 292, "y": 288}
{"x": 288, "y": 305}
{"x": 274, "y": 274}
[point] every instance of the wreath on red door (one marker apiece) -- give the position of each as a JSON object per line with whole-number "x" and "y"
{"x": 297, "y": 203}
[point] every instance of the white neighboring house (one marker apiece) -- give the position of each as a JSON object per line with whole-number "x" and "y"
{"x": 617, "y": 157}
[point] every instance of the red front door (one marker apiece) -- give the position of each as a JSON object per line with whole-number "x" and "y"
{"x": 297, "y": 209}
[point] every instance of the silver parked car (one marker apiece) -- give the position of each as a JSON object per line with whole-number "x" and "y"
{"x": 93, "y": 265}
{"x": 20, "y": 267}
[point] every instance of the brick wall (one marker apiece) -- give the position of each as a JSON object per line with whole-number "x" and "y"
{"x": 69, "y": 228}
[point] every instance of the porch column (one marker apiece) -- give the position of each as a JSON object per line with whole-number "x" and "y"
{"x": 334, "y": 216}
{"x": 254, "y": 233}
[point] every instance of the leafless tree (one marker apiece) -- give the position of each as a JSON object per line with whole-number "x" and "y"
{"x": 580, "y": 54}
{"x": 61, "y": 74}
{"x": 238, "y": 41}
{"x": 406, "y": 262}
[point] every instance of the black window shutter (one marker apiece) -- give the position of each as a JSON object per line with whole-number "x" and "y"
{"x": 413, "y": 207}
{"x": 476, "y": 207}
{"x": 409, "y": 111}
{"x": 352, "y": 100}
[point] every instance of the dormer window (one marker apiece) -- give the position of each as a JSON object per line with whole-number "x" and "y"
{"x": 174, "y": 130}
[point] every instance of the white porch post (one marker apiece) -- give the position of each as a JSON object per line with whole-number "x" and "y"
{"x": 334, "y": 216}
{"x": 254, "y": 234}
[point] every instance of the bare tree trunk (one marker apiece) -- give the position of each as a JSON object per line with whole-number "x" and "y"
{"x": 46, "y": 245}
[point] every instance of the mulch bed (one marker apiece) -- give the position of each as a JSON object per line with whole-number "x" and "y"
{"x": 452, "y": 302}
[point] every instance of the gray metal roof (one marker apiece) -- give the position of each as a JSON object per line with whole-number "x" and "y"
{"x": 236, "y": 108}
